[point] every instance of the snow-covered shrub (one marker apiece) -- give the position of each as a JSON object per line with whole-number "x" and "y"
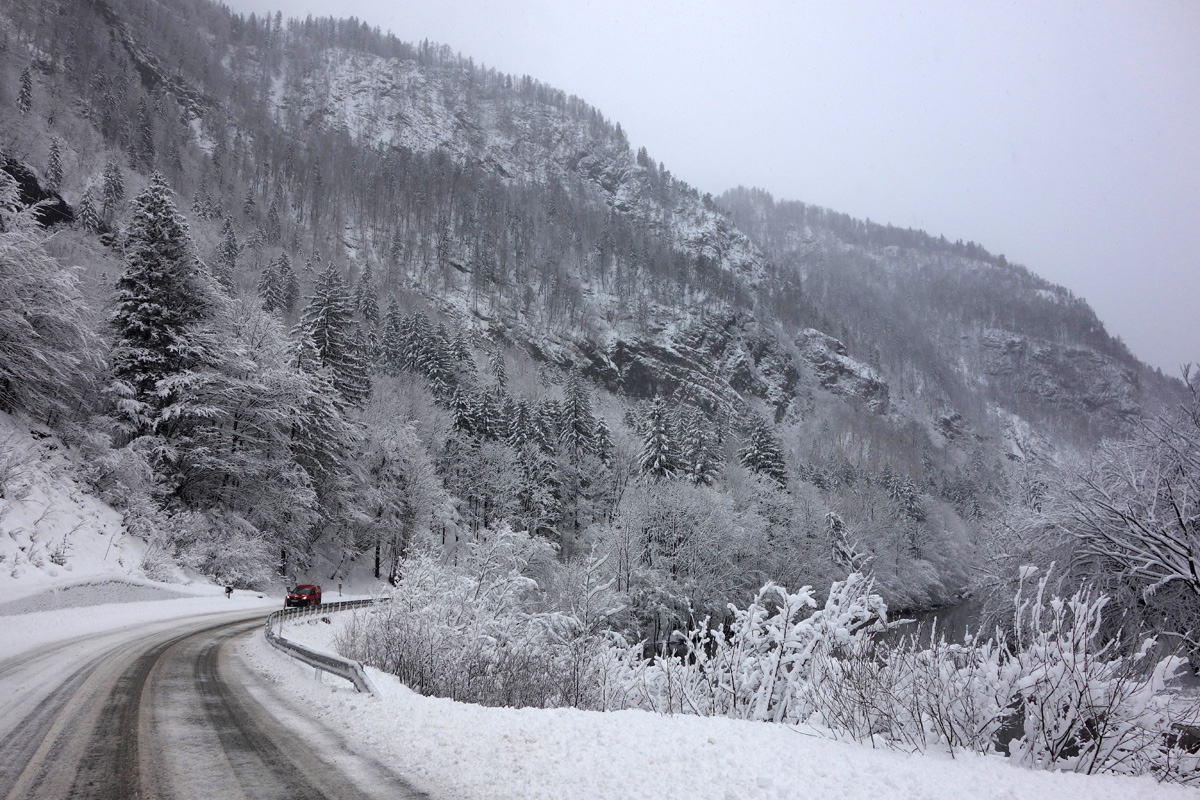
{"x": 1087, "y": 707}
{"x": 221, "y": 545}
{"x": 1056, "y": 696}
{"x": 473, "y": 632}
{"x": 759, "y": 669}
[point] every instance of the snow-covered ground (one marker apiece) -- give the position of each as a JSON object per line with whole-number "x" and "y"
{"x": 469, "y": 751}
{"x": 67, "y": 569}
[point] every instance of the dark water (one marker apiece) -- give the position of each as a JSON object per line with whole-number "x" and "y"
{"x": 951, "y": 622}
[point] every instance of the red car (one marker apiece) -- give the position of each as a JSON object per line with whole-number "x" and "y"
{"x": 304, "y": 595}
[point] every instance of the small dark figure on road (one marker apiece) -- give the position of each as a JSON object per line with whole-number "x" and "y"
{"x": 229, "y": 592}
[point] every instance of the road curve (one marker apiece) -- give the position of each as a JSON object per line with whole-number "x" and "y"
{"x": 169, "y": 710}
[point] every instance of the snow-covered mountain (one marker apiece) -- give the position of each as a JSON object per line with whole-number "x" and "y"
{"x": 890, "y": 365}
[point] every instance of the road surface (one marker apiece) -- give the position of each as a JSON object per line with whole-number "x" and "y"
{"x": 169, "y": 710}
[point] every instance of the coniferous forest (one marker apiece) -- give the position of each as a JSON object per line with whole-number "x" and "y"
{"x": 305, "y": 299}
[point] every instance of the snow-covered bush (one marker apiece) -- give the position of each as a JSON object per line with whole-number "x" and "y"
{"x": 473, "y": 632}
{"x": 1054, "y": 696}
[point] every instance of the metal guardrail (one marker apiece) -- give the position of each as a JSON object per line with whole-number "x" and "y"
{"x": 326, "y": 662}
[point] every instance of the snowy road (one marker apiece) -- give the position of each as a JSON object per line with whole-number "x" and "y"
{"x": 168, "y": 709}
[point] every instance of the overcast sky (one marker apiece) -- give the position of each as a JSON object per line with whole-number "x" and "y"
{"x": 1065, "y": 135}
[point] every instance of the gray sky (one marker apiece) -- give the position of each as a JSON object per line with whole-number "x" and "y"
{"x": 1065, "y": 135}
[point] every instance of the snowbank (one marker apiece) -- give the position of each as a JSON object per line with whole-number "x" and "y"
{"x": 476, "y": 752}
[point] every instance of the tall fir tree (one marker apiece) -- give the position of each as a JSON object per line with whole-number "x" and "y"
{"x": 762, "y": 453}
{"x": 54, "y": 167}
{"x": 366, "y": 297}
{"x": 161, "y": 296}
{"x": 328, "y": 323}
{"x": 392, "y": 345}
{"x": 25, "y": 93}
{"x": 87, "y": 214}
{"x": 577, "y": 424}
{"x": 659, "y": 459}
{"x": 225, "y": 258}
{"x": 113, "y": 193}
{"x": 289, "y": 283}
{"x": 699, "y": 452}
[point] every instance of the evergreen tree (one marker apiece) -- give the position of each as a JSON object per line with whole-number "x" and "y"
{"x": 762, "y": 453}
{"x": 145, "y": 136}
{"x": 289, "y": 283}
{"x": 603, "y": 441}
{"x": 658, "y": 458}
{"x": 392, "y": 346}
{"x": 226, "y": 256}
{"x": 25, "y": 93}
{"x": 577, "y": 423}
{"x": 269, "y": 288}
{"x": 113, "y": 193}
{"x": 54, "y": 168}
{"x": 366, "y": 297}
{"x": 497, "y": 368}
{"x": 274, "y": 228}
{"x": 700, "y": 457}
{"x": 328, "y": 323}
{"x": 248, "y": 204}
{"x": 87, "y": 214}
{"x": 161, "y": 295}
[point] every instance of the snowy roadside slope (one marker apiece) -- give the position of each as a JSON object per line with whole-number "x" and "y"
{"x": 475, "y": 752}
{"x": 53, "y": 533}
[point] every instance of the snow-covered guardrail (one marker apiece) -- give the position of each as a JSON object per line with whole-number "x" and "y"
{"x": 326, "y": 662}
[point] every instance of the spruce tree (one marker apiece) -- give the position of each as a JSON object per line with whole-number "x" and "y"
{"x": 54, "y": 168}
{"x": 161, "y": 295}
{"x": 577, "y": 424}
{"x": 700, "y": 458}
{"x": 87, "y": 214}
{"x": 226, "y": 257}
{"x": 498, "y": 369}
{"x": 25, "y": 93}
{"x": 392, "y": 346}
{"x": 658, "y": 458}
{"x": 113, "y": 193}
{"x": 289, "y": 283}
{"x": 762, "y": 453}
{"x": 366, "y": 297}
{"x": 328, "y": 322}
{"x": 269, "y": 288}
{"x": 603, "y": 441}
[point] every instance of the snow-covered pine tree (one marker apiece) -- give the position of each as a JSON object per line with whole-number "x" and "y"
{"x": 144, "y": 152}
{"x": 577, "y": 423}
{"x": 25, "y": 93}
{"x": 161, "y": 295}
{"x": 113, "y": 192}
{"x": 269, "y": 288}
{"x": 366, "y": 297}
{"x": 328, "y": 321}
{"x": 762, "y": 453}
{"x": 391, "y": 349}
{"x": 87, "y": 213}
{"x": 416, "y": 332}
{"x": 699, "y": 453}
{"x": 603, "y": 441}
{"x": 274, "y": 227}
{"x": 54, "y": 168}
{"x": 289, "y": 283}
{"x": 226, "y": 256}
{"x": 497, "y": 368}
{"x": 659, "y": 459}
